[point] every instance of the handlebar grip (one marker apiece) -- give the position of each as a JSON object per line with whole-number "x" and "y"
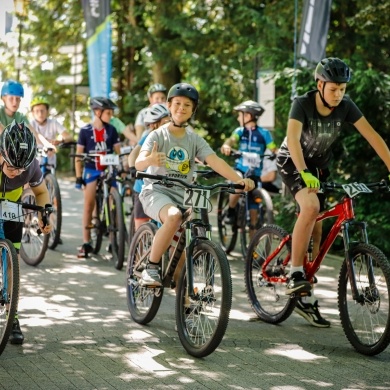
{"x": 46, "y": 211}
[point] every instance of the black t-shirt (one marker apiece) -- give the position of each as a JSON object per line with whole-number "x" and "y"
{"x": 319, "y": 132}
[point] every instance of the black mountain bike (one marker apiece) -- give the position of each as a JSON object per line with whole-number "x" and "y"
{"x": 204, "y": 290}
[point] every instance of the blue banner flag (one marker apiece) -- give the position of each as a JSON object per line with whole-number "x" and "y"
{"x": 314, "y": 31}
{"x": 98, "y": 26}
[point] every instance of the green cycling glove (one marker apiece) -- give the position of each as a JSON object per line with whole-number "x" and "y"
{"x": 310, "y": 180}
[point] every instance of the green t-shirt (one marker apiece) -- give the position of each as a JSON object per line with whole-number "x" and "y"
{"x": 6, "y": 120}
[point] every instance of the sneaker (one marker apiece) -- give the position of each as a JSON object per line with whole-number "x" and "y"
{"x": 230, "y": 216}
{"x": 151, "y": 276}
{"x": 192, "y": 329}
{"x": 298, "y": 284}
{"x": 84, "y": 251}
{"x": 311, "y": 314}
{"x": 16, "y": 336}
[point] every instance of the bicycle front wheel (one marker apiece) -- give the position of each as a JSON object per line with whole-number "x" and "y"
{"x": 116, "y": 228}
{"x": 143, "y": 302}
{"x": 366, "y": 320}
{"x": 227, "y": 232}
{"x": 56, "y": 215}
{"x": 9, "y": 288}
{"x": 98, "y": 226}
{"x": 33, "y": 245}
{"x": 268, "y": 299}
{"x": 202, "y": 316}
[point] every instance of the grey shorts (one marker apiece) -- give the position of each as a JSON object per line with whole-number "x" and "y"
{"x": 153, "y": 201}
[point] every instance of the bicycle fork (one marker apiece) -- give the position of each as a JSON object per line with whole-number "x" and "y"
{"x": 348, "y": 245}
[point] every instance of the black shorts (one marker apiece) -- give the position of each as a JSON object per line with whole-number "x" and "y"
{"x": 13, "y": 231}
{"x": 138, "y": 208}
{"x": 293, "y": 180}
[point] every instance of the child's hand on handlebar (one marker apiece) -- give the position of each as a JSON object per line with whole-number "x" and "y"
{"x": 248, "y": 183}
{"x": 226, "y": 150}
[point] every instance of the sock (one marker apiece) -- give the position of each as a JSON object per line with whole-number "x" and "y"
{"x": 296, "y": 269}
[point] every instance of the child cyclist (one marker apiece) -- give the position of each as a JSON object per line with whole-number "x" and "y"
{"x": 156, "y": 116}
{"x": 97, "y": 137}
{"x": 249, "y": 137}
{"x": 171, "y": 150}
{"x": 315, "y": 122}
{"x": 18, "y": 167}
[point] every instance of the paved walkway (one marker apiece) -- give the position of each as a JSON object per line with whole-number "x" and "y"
{"x": 79, "y": 335}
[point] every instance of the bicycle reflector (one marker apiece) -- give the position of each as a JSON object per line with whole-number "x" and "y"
{"x": 256, "y": 195}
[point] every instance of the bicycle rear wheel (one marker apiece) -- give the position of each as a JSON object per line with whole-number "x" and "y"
{"x": 366, "y": 322}
{"x": 227, "y": 232}
{"x": 9, "y": 289}
{"x": 33, "y": 245}
{"x": 56, "y": 215}
{"x": 116, "y": 228}
{"x": 203, "y": 318}
{"x": 143, "y": 302}
{"x": 268, "y": 299}
{"x": 265, "y": 217}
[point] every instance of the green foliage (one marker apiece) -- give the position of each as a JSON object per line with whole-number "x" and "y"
{"x": 219, "y": 46}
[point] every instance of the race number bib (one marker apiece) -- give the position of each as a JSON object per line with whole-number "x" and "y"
{"x": 109, "y": 159}
{"x": 251, "y": 160}
{"x": 354, "y": 189}
{"x": 10, "y": 211}
{"x": 196, "y": 198}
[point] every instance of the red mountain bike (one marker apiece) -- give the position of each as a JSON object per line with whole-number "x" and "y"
{"x": 364, "y": 279}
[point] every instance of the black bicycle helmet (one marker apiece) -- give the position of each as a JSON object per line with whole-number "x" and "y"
{"x": 155, "y": 113}
{"x": 184, "y": 89}
{"x": 18, "y": 145}
{"x": 252, "y": 107}
{"x": 332, "y": 70}
{"x": 102, "y": 103}
{"x": 156, "y": 88}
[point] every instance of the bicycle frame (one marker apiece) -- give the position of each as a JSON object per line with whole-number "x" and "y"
{"x": 345, "y": 215}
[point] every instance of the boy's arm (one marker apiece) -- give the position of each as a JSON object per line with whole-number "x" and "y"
{"x": 226, "y": 148}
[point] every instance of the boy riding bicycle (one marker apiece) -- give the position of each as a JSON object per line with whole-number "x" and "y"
{"x": 171, "y": 150}
{"x": 314, "y": 124}
{"x": 249, "y": 137}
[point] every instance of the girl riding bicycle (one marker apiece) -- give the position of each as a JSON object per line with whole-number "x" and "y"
{"x": 314, "y": 124}
{"x": 171, "y": 150}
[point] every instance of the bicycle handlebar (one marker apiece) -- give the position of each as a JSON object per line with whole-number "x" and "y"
{"x": 237, "y": 154}
{"x": 168, "y": 182}
{"x": 44, "y": 210}
{"x": 355, "y": 187}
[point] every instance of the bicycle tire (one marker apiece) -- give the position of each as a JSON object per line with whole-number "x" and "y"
{"x": 366, "y": 324}
{"x": 131, "y": 228}
{"x": 268, "y": 300}
{"x": 202, "y": 322}
{"x": 142, "y": 302}
{"x": 98, "y": 227}
{"x": 227, "y": 233}
{"x": 265, "y": 217}
{"x": 33, "y": 245}
{"x": 9, "y": 294}
{"x": 128, "y": 206}
{"x": 116, "y": 228}
{"x": 56, "y": 216}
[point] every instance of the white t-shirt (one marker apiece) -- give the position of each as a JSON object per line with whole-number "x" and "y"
{"x": 270, "y": 166}
{"x": 50, "y": 130}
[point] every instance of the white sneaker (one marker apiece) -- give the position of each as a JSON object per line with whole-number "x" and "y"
{"x": 151, "y": 276}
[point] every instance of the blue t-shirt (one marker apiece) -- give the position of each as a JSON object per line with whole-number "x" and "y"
{"x": 256, "y": 141}
{"x": 98, "y": 141}
{"x": 139, "y": 182}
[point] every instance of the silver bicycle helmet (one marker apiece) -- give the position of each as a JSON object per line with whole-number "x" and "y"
{"x": 18, "y": 145}
{"x": 155, "y": 113}
{"x": 252, "y": 107}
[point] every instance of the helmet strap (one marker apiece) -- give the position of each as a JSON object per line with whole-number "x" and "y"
{"x": 324, "y": 102}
